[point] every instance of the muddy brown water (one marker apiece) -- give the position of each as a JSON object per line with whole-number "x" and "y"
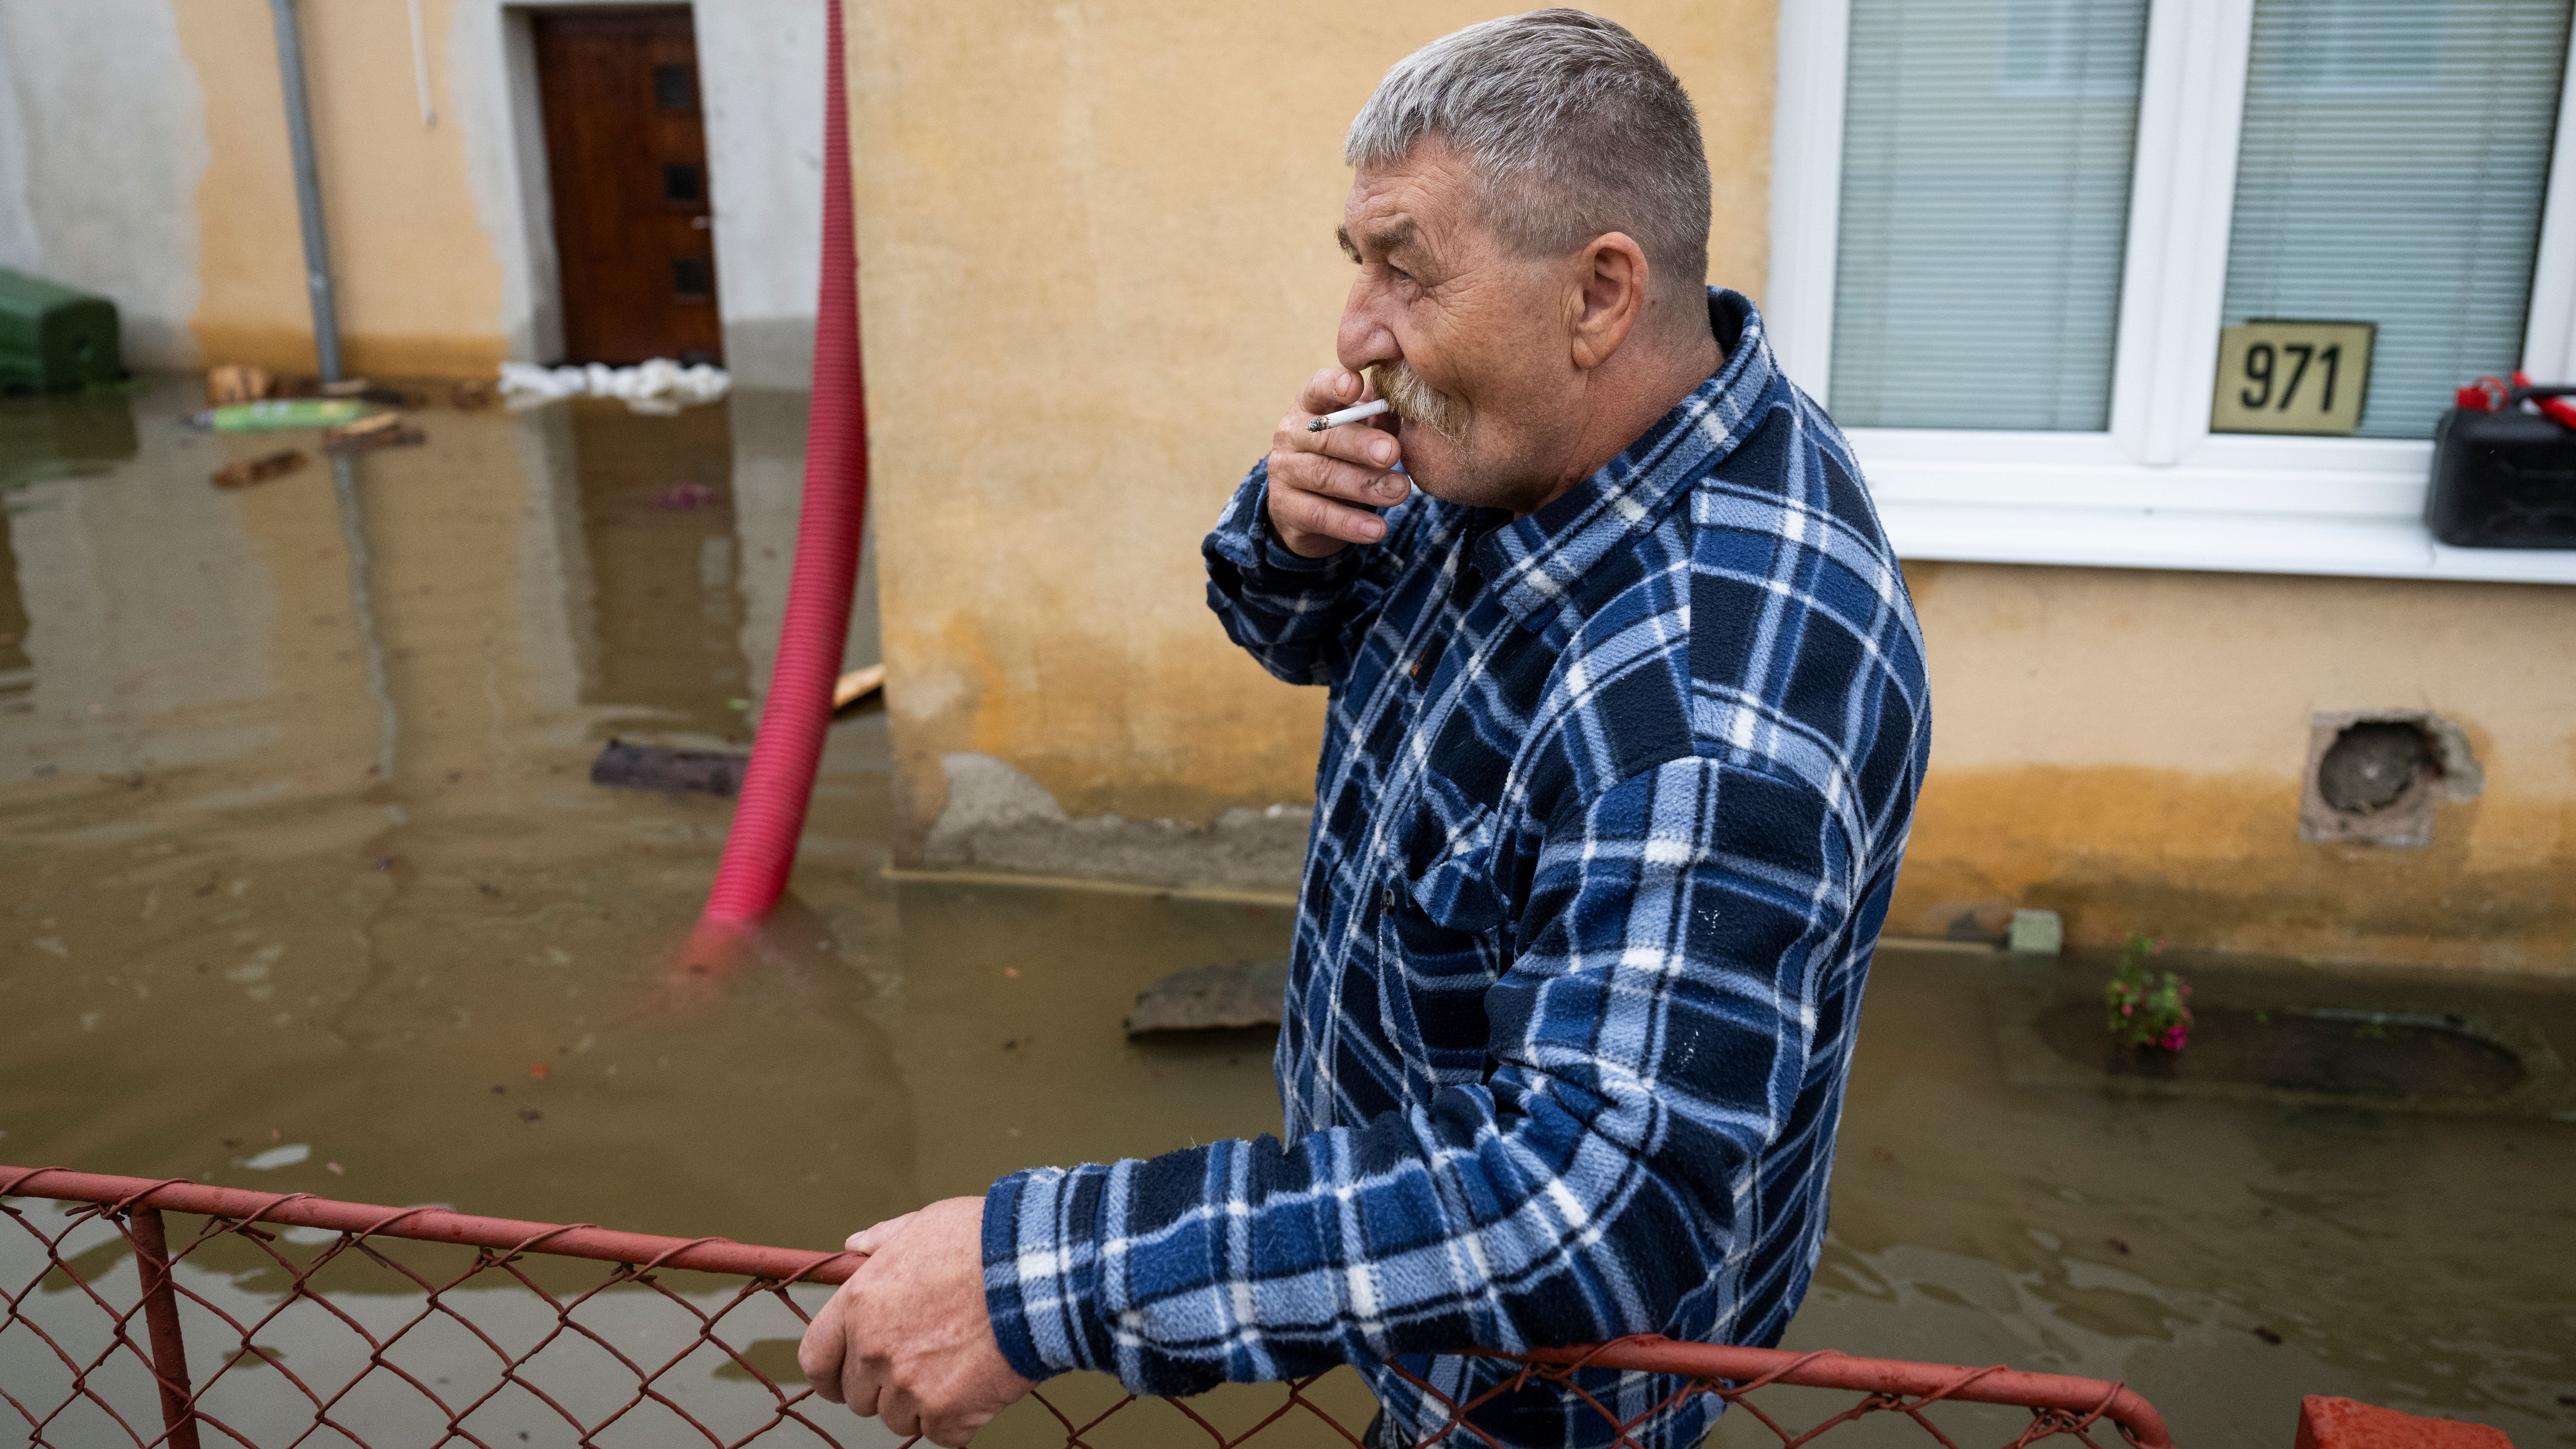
{"x": 299, "y": 850}
{"x": 2369, "y": 1057}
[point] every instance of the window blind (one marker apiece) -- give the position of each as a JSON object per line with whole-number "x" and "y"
{"x": 1985, "y": 204}
{"x": 2394, "y": 158}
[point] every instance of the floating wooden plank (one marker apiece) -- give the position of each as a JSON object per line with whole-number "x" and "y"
{"x": 374, "y": 423}
{"x": 857, "y": 685}
{"x": 384, "y": 430}
{"x": 257, "y": 470}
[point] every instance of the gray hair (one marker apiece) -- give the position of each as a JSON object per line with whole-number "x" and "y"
{"x": 1576, "y": 126}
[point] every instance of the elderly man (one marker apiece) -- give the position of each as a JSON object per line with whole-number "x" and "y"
{"x": 1627, "y": 719}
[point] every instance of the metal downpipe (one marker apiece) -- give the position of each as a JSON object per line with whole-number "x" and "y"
{"x": 308, "y": 189}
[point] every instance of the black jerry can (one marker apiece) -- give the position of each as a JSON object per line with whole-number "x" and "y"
{"x": 2504, "y": 479}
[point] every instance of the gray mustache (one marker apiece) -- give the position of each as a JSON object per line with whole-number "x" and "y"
{"x": 1417, "y": 401}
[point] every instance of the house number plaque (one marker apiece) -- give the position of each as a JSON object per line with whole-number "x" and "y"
{"x": 2292, "y": 377}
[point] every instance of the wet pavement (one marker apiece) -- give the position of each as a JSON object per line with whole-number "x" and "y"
{"x": 299, "y": 848}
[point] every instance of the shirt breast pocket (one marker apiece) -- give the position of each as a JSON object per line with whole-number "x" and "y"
{"x": 1440, "y": 948}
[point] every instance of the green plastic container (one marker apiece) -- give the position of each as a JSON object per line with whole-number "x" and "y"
{"x": 53, "y": 338}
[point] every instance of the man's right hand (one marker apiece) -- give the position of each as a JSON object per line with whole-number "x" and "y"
{"x": 1316, "y": 477}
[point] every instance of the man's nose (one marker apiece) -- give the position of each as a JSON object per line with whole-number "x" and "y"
{"x": 1365, "y": 337}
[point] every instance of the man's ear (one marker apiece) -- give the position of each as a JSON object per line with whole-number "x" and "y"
{"x": 1610, "y": 296}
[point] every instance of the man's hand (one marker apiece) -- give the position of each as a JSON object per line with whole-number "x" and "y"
{"x": 907, "y": 1338}
{"x": 1315, "y": 476}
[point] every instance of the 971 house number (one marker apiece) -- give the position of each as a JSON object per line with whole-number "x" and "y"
{"x": 2261, "y": 362}
{"x": 2292, "y": 377}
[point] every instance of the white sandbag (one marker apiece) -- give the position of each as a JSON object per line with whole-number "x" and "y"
{"x": 659, "y": 387}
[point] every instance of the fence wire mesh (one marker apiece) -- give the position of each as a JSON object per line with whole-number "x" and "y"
{"x": 173, "y": 1314}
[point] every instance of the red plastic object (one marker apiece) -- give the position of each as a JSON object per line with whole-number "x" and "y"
{"x": 2558, "y": 409}
{"x": 2486, "y": 395}
{"x": 770, "y": 816}
{"x": 2326, "y": 1423}
{"x": 233, "y": 1332}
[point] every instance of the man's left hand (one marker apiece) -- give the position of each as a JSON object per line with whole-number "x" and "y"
{"x": 907, "y": 1338}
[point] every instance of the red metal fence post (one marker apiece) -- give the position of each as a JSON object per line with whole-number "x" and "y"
{"x": 161, "y": 1325}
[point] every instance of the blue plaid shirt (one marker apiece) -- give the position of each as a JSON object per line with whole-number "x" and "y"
{"x": 1610, "y": 805}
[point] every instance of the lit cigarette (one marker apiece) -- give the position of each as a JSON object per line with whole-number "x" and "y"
{"x": 1347, "y": 415}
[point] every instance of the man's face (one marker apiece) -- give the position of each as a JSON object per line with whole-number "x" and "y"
{"x": 1483, "y": 331}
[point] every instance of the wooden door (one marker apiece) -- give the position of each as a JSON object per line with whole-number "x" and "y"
{"x": 626, "y": 149}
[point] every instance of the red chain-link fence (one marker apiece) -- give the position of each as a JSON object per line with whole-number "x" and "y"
{"x": 179, "y": 1315}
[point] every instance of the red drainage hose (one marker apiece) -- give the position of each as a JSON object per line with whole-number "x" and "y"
{"x": 761, "y": 847}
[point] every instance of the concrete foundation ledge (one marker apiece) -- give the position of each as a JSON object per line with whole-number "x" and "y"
{"x": 998, "y": 819}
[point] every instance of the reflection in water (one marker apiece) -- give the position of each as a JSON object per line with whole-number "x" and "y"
{"x": 17, "y": 671}
{"x": 362, "y": 612}
{"x": 64, "y": 435}
{"x": 268, "y": 914}
{"x": 660, "y": 612}
{"x": 2407, "y": 1258}
{"x": 242, "y": 911}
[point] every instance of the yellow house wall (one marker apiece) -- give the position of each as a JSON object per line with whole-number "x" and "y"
{"x": 1096, "y": 262}
{"x": 2127, "y": 747}
{"x": 418, "y": 276}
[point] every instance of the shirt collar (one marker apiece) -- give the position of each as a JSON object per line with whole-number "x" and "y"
{"x": 1534, "y": 560}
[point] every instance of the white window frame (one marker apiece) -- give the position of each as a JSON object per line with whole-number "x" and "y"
{"x": 2157, "y": 490}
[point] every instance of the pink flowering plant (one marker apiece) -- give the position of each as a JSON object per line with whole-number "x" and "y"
{"x": 2143, "y": 1011}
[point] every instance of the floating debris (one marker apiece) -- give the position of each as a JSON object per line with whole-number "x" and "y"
{"x": 383, "y": 430}
{"x": 355, "y": 389}
{"x": 1231, "y": 996}
{"x": 297, "y": 412}
{"x": 2035, "y": 933}
{"x": 652, "y": 767}
{"x": 257, "y": 470}
{"x": 238, "y": 383}
{"x": 682, "y": 497}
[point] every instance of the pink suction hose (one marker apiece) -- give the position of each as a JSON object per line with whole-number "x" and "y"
{"x": 761, "y": 848}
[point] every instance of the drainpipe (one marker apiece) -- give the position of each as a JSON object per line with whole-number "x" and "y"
{"x": 308, "y": 188}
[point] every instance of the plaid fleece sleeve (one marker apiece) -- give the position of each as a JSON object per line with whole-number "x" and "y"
{"x": 1649, "y": 1039}
{"x": 1288, "y": 611}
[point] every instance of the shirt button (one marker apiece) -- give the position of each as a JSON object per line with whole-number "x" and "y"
{"x": 1386, "y": 899}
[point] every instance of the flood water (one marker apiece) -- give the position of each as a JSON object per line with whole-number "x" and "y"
{"x": 299, "y": 849}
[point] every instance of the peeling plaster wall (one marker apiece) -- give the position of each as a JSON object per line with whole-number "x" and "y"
{"x": 2124, "y": 747}
{"x": 2127, "y": 747}
{"x": 996, "y": 818}
{"x": 1096, "y": 260}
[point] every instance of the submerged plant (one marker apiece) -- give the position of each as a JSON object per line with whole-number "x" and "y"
{"x": 2143, "y": 1011}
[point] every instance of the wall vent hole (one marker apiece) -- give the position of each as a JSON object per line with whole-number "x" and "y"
{"x": 2372, "y": 764}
